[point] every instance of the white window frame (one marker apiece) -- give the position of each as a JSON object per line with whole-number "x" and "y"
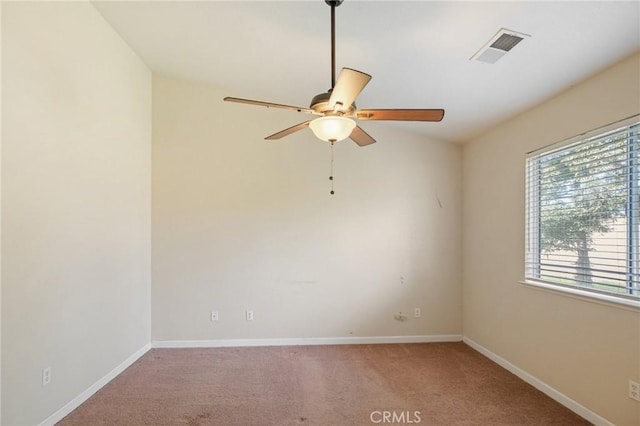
{"x": 532, "y": 223}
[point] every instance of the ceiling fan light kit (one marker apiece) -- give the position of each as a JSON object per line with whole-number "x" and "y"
{"x": 332, "y": 128}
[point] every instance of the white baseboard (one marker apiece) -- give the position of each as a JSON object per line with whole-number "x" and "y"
{"x": 540, "y": 385}
{"x": 78, "y": 400}
{"x": 225, "y": 343}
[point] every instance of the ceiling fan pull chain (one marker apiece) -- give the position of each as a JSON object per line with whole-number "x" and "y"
{"x": 331, "y": 177}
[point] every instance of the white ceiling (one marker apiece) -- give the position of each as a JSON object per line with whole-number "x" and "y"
{"x": 417, "y": 51}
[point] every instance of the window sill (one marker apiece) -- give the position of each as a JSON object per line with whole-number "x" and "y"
{"x": 587, "y": 296}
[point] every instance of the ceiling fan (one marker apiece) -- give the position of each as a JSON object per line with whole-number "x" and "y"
{"x": 337, "y": 107}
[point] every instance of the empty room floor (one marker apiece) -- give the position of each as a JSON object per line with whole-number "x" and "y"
{"x": 426, "y": 383}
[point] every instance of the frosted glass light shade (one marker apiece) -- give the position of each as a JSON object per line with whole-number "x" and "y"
{"x": 332, "y": 128}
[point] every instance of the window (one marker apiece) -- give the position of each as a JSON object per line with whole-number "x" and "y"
{"x": 583, "y": 213}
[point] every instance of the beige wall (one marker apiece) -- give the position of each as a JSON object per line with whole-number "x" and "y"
{"x": 76, "y": 141}
{"x": 585, "y": 350}
{"x": 241, "y": 223}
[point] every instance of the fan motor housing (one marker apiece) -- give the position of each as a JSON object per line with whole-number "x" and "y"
{"x": 320, "y": 104}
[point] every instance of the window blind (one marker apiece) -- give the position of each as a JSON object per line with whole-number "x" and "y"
{"x": 583, "y": 213}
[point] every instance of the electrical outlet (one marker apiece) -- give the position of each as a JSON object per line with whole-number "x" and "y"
{"x": 416, "y": 312}
{"x": 249, "y": 315}
{"x": 214, "y": 315}
{"x": 46, "y": 376}
{"x": 634, "y": 390}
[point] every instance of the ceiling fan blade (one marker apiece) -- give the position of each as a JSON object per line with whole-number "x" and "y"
{"x": 287, "y": 132}
{"x": 349, "y": 85}
{"x": 361, "y": 137}
{"x": 269, "y": 105}
{"x": 400, "y": 114}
